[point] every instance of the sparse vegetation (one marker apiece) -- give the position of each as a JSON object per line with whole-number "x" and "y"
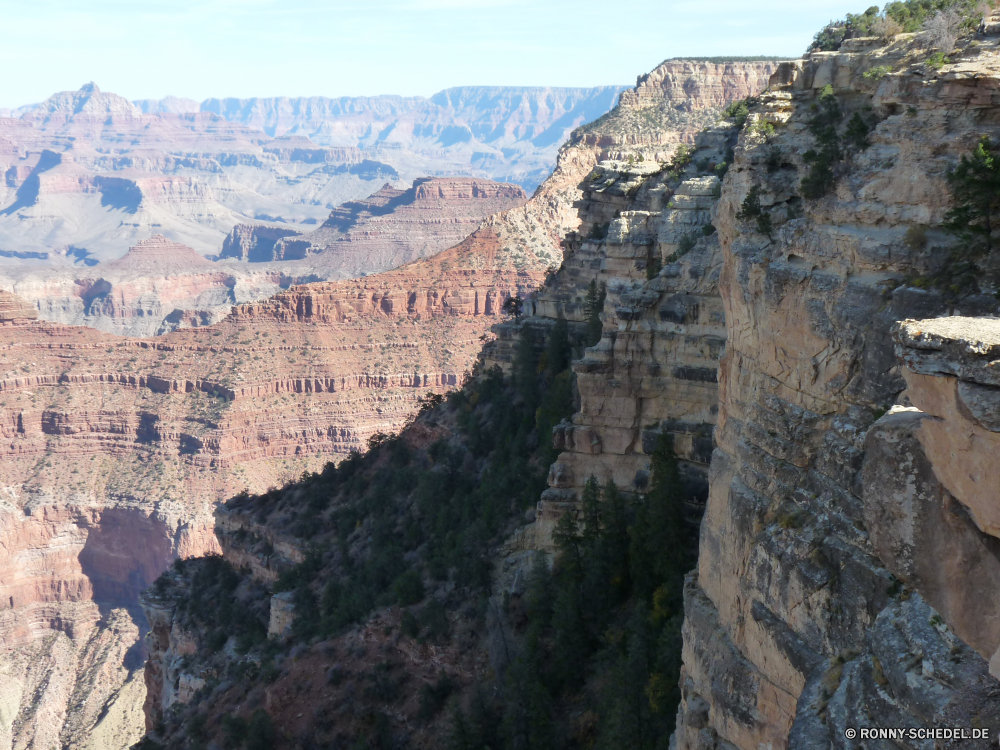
{"x": 751, "y": 210}
{"x": 593, "y": 306}
{"x": 940, "y": 22}
{"x": 876, "y": 73}
{"x": 822, "y": 159}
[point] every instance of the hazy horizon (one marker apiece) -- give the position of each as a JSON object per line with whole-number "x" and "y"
{"x": 265, "y": 48}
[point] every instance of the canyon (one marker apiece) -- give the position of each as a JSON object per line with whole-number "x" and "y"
{"x": 160, "y": 285}
{"x": 635, "y": 199}
{"x": 117, "y": 449}
{"x": 831, "y": 399}
{"x": 88, "y": 173}
{"x": 827, "y": 388}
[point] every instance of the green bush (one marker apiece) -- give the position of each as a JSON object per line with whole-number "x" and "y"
{"x": 876, "y": 73}
{"x": 409, "y": 588}
{"x": 822, "y": 159}
{"x": 261, "y": 734}
{"x": 751, "y": 210}
{"x": 433, "y": 696}
{"x": 937, "y": 60}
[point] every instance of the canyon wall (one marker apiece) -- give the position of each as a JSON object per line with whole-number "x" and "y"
{"x": 388, "y": 228}
{"x": 116, "y": 450}
{"x": 160, "y": 285}
{"x": 840, "y": 549}
{"x": 662, "y": 324}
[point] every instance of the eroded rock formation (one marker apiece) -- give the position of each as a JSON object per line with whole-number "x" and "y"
{"x": 811, "y": 610}
{"x": 384, "y": 230}
{"x": 115, "y": 450}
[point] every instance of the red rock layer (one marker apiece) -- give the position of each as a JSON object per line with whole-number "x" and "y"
{"x": 107, "y": 440}
{"x": 387, "y": 229}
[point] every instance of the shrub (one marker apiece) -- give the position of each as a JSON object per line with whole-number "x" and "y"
{"x": 937, "y": 61}
{"x": 234, "y": 730}
{"x": 886, "y": 28}
{"x": 916, "y": 237}
{"x": 857, "y": 132}
{"x": 261, "y": 734}
{"x": 764, "y": 129}
{"x": 653, "y": 266}
{"x": 738, "y": 112}
{"x": 751, "y": 210}
{"x": 598, "y": 231}
{"x": 409, "y": 588}
{"x": 433, "y": 696}
{"x": 941, "y": 30}
{"x": 877, "y": 73}
{"x": 512, "y": 307}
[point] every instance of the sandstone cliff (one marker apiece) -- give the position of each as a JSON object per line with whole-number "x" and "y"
{"x": 811, "y": 609}
{"x": 115, "y": 450}
{"x": 384, "y": 230}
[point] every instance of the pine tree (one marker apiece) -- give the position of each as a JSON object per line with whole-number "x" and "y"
{"x": 592, "y": 308}
{"x": 526, "y": 368}
{"x": 975, "y": 188}
{"x": 823, "y": 126}
{"x": 616, "y": 540}
{"x": 559, "y": 351}
{"x": 751, "y": 210}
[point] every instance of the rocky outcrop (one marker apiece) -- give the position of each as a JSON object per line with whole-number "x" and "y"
{"x": 644, "y": 235}
{"x": 672, "y": 104}
{"x": 115, "y": 450}
{"x": 113, "y": 174}
{"x": 14, "y": 308}
{"x": 386, "y": 229}
{"x": 253, "y": 242}
{"x": 830, "y": 538}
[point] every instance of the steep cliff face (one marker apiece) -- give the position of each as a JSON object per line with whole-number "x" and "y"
{"x": 811, "y": 609}
{"x": 386, "y": 229}
{"x": 644, "y": 237}
{"x": 672, "y": 104}
{"x": 116, "y": 450}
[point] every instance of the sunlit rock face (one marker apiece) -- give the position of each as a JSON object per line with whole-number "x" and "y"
{"x": 115, "y": 452}
{"x": 842, "y": 550}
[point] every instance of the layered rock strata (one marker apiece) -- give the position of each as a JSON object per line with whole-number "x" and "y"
{"x": 645, "y": 237}
{"x": 386, "y": 229}
{"x": 812, "y": 609}
{"x": 160, "y": 285}
{"x": 116, "y": 450}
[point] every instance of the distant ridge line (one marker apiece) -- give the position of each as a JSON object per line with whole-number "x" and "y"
{"x": 720, "y": 60}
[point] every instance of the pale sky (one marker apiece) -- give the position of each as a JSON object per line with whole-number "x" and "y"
{"x": 213, "y": 48}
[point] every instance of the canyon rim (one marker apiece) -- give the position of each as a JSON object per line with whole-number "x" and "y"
{"x": 691, "y": 444}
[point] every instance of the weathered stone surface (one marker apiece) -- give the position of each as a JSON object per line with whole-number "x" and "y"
{"x": 925, "y": 536}
{"x": 386, "y": 229}
{"x": 788, "y": 544}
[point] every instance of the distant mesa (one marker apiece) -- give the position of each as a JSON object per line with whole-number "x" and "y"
{"x": 13, "y": 308}
{"x": 158, "y": 257}
{"x": 384, "y": 230}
